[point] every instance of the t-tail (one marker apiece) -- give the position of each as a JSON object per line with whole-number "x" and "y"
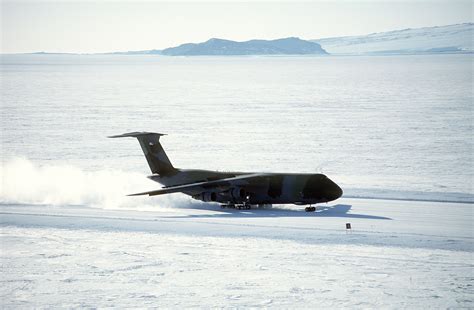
{"x": 155, "y": 155}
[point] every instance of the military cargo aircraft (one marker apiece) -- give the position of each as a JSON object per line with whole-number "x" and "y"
{"x": 232, "y": 189}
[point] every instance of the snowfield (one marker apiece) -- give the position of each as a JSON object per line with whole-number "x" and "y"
{"x": 442, "y": 39}
{"x": 400, "y": 254}
{"x": 388, "y": 127}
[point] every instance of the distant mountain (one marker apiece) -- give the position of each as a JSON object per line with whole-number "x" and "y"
{"x": 287, "y": 46}
{"x": 443, "y": 39}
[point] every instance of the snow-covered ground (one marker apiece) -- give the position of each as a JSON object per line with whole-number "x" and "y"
{"x": 396, "y": 127}
{"x": 442, "y": 39}
{"x": 399, "y": 254}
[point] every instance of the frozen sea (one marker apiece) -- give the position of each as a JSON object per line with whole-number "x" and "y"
{"x": 395, "y": 132}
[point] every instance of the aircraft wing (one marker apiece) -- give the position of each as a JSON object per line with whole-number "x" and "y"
{"x": 227, "y": 182}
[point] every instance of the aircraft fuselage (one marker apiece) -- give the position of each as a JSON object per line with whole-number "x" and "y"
{"x": 273, "y": 188}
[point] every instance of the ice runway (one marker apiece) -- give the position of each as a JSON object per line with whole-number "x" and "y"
{"x": 399, "y": 254}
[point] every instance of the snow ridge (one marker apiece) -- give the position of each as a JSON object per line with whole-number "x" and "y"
{"x": 456, "y": 38}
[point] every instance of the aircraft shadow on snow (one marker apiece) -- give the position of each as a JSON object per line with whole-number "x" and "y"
{"x": 339, "y": 210}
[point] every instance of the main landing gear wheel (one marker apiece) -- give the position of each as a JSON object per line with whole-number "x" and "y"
{"x": 238, "y": 207}
{"x": 310, "y": 209}
{"x": 243, "y": 207}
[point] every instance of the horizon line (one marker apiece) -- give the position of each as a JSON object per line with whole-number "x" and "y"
{"x": 157, "y": 49}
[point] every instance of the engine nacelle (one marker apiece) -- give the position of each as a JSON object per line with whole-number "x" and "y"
{"x": 238, "y": 194}
{"x": 208, "y": 196}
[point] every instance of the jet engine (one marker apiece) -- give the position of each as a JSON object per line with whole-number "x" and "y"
{"x": 235, "y": 195}
{"x": 208, "y": 196}
{"x": 238, "y": 194}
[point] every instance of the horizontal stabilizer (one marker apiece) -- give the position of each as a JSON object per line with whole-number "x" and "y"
{"x": 227, "y": 182}
{"x": 136, "y": 134}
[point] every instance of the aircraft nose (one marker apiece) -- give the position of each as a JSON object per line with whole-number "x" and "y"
{"x": 333, "y": 191}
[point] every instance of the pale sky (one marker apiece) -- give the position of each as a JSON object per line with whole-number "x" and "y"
{"x": 105, "y": 26}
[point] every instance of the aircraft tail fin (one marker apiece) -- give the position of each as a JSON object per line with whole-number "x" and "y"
{"x": 155, "y": 155}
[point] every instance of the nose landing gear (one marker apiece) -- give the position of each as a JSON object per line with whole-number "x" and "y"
{"x": 310, "y": 209}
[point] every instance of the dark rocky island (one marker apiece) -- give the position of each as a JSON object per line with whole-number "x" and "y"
{"x": 216, "y": 47}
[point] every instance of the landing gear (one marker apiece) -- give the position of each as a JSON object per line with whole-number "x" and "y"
{"x": 310, "y": 209}
{"x": 244, "y": 206}
{"x": 229, "y": 205}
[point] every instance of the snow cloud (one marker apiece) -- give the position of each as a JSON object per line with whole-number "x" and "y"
{"x": 26, "y": 182}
